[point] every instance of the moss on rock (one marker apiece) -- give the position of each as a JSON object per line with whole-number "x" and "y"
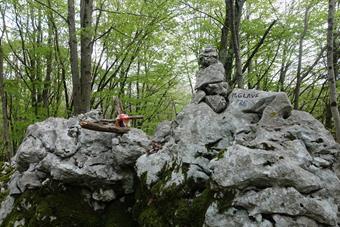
{"x": 58, "y": 205}
{"x": 175, "y": 205}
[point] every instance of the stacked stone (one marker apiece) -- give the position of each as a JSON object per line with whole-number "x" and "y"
{"x": 211, "y": 86}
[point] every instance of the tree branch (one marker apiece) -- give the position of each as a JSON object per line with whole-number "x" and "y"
{"x": 258, "y": 46}
{"x": 200, "y": 11}
{"x": 50, "y": 8}
{"x": 126, "y": 13}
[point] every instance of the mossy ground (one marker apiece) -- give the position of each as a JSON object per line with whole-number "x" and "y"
{"x": 182, "y": 205}
{"x": 65, "y": 206}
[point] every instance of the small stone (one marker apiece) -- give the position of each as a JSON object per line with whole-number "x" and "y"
{"x": 221, "y": 89}
{"x": 208, "y": 57}
{"x": 216, "y": 102}
{"x": 162, "y": 131}
{"x": 210, "y": 75}
{"x": 104, "y": 195}
{"x": 198, "y": 97}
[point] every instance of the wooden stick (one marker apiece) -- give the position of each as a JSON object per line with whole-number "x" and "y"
{"x": 102, "y": 128}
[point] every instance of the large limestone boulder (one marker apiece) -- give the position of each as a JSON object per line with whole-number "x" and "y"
{"x": 59, "y": 150}
{"x": 257, "y": 163}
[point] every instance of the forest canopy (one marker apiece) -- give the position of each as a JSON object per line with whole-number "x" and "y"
{"x": 60, "y": 58}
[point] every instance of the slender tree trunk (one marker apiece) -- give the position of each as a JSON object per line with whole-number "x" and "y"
{"x": 86, "y": 7}
{"x": 38, "y": 34}
{"x": 224, "y": 48}
{"x": 47, "y": 82}
{"x": 331, "y": 73}
{"x": 74, "y": 58}
{"x": 8, "y": 146}
{"x": 61, "y": 65}
{"x": 229, "y": 61}
{"x": 328, "y": 116}
{"x": 8, "y": 153}
{"x": 283, "y": 71}
{"x": 298, "y": 73}
{"x": 234, "y": 17}
{"x": 260, "y": 43}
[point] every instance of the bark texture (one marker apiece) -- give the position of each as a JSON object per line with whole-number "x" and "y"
{"x": 7, "y": 151}
{"x": 330, "y": 66}
{"x": 76, "y": 93}
{"x": 86, "y": 7}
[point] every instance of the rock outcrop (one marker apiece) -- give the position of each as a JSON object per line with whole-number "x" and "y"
{"x": 256, "y": 163}
{"x": 261, "y": 164}
{"x": 59, "y": 149}
{"x": 59, "y": 153}
{"x": 230, "y": 158}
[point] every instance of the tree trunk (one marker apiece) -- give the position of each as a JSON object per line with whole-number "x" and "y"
{"x": 224, "y": 48}
{"x": 86, "y": 7}
{"x": 328, "y": 116}
{"x": 8, "y": 153}
{"x": 283, "y": 69}
{"x": 47, "y": 82}
{"x": 234, "y": 17}
{"x": 330, "y": 67}
{"x": 298, "y": 73}
{"x": 76, "y": 93}
{"x": 229, "y": 61}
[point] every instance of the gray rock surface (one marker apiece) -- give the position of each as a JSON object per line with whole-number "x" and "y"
{"x": 216, "y": 102}
{"x": 221, "y": 89}
{"x": 104, "y": 195}
{"x": 163, "y": 130}
{"x": 212, "y": 74}
{"x": 288, "y": 201}
{"x": 59, "y": 149}
{"x": 198, "y": 97}
{"x": 6, "y": 207}
{"x": 232, "y": 217}
{"x": 242, "y": 166}
{"x": 211, "y": 86}
{"x": 208, "y": 57}
{"x": 283, "y": 221}
{"x": 279, "y": 162}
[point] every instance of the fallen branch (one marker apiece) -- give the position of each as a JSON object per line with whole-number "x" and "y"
{"x": 97, "y": 126}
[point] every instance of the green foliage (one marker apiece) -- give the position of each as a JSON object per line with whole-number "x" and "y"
{"x": 145, "y": 53}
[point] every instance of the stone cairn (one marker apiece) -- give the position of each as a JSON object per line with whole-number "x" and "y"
{"x": 211, "y": 86}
